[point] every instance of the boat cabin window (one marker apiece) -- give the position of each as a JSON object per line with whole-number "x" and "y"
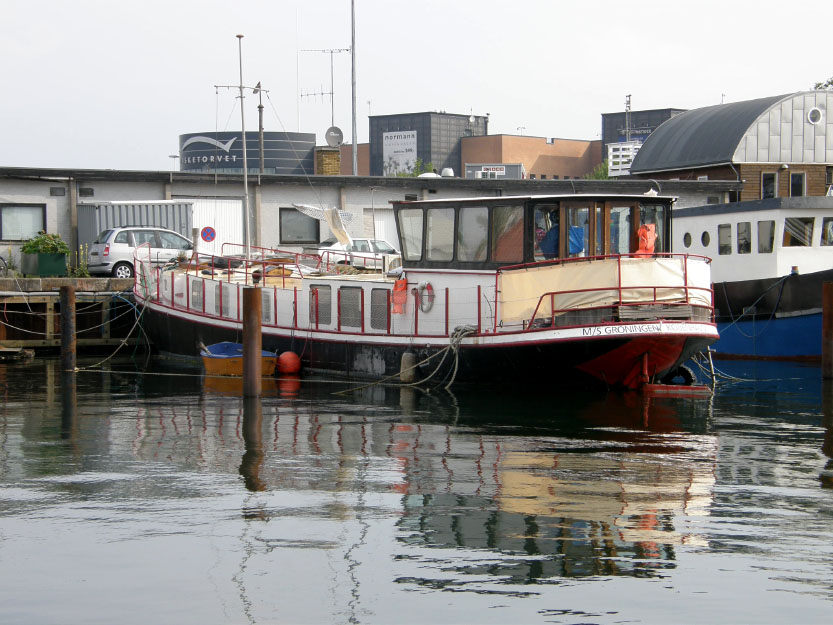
{"x": 320, "y": 305}
{"x": 724, "y": 239}
{"x": 766, "y": 236}
{"x": 827, "y": 231}
{"x": 472, "y": 233}
{"x": 508, "y": 234}
{"x": 440, "y": 234}
{"x": 798, "y": 232}
{"x": 619, "y": 229}
{"x": 578, "y": 238}
{"x": 546, "y": 231}
{"x": 410, "y": 233}
{"x": 350, "y": 303}
{"x": 768, "y": 185}
{"x": 744, "y": 237}
{"x": 655, "y": 215}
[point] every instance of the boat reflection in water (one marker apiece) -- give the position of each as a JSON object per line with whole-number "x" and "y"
{"x": 592, "y": 487}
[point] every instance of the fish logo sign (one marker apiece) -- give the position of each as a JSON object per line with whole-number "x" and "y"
{"x": 226, "y": 147}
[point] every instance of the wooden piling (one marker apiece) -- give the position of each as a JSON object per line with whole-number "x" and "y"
{"x": 67, "y": 300}
{"x": 252, "y": 342}
{"x": 827, "y": 330}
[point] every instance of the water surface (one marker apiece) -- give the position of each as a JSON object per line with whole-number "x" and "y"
{"x": 135, "y": 498}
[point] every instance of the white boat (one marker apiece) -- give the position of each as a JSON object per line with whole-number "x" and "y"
{"x": 531, "y": 289}
{"x": 770, "y": 259}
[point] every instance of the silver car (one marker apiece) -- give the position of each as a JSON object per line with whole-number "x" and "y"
{"x": 112, "y": 252}
{"x": 367, "y": 253}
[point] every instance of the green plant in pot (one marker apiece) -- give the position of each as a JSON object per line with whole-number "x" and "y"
{"x": 44, "y": 255}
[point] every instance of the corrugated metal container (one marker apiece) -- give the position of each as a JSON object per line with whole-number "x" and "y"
{"x": 94, "y": 218}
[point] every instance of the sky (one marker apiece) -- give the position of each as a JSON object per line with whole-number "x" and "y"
{"x": 111, "y": 84}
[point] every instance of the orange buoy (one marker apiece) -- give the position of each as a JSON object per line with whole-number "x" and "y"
{"x": 289, "y": 385}
{"x": 289, "y": 362}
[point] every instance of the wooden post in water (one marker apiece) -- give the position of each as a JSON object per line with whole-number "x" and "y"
{"x": 67, "y": 298}
{"x": 252, "y": 342}
{"x": 827, "y": 330}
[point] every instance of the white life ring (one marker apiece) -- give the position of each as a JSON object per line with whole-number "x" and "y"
{"x": 426, "y": 296}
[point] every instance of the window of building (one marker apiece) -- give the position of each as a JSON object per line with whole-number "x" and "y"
{"x": 702, "y": 178}
{"x": 532, "y": 176}
{"x": 543, "y": 176}
{"x": 18, "y": 223}
{"x": 744, "y": 235}
{"x": 472, "y": 233}
{"x": 798, "y": 232}
{"x": 508, "y": 234}
{"x": 440, "y": 234}
{"x": 297, "y": 228}
{"x": 766, "y": 236}
{"x": 57, "y": 191}
{"x": 769, "y": 185}
{"x": 797, "y": 188}
{"x": 86, "y": 192}
{"x": 724, "y": 239}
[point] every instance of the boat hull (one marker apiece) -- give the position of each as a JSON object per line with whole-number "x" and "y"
{"x": 775, "y": 318}
{"x": 611, "y": 355}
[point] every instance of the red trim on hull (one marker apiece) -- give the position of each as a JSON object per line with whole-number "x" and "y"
{"x": 623, "y": 365}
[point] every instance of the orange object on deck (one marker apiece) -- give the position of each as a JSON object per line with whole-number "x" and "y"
{"x": 400, "y": 296}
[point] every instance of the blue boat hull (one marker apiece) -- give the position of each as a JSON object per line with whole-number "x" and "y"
{"x": 785, "y": 338}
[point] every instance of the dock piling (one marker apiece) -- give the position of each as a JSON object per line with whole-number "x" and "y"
{"x": 252, "y": 342}
{"x": 67, "y": 300}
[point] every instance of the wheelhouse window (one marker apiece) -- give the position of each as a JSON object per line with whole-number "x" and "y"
{"x": 546, "y": 231}
{"x": 578, "y": 222}
{"x": 769, "y": 185}
{"x": 411, "y": 233}
{"x": 656, "y": 214}
{"x": 440, "y": 234}
{"x": 797, "y": 188}
{"x": 507, "y": 234}
{"x": 473, "y": 233}
{"x": 744, "y": 235}
{"x": 619, "y": 228}
{"x": 766, "y": 236}
{"x": 798, "y": 232}
{"x": 18, "y": 223}
{"x": 827, "y": 231}
{"x": 297, "y": 228}
{"x": 724, "y": 239}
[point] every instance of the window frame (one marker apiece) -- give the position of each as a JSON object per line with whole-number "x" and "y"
{"x": 286, "y": 210}
{"x": 6, "y": 205}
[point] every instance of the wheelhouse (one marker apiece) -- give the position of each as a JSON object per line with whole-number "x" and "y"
{"x": 487, "y": 233}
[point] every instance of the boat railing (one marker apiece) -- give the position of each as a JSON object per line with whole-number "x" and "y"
{"x": 626, "y": 288}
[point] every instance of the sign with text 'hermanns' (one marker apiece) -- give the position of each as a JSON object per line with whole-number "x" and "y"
{"x": 399, "y": 152}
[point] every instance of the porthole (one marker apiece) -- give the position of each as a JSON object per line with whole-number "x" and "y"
{"x": 704, "y": 239}
{"x": 687, "y": 239}
{"x": 814, "y": 115}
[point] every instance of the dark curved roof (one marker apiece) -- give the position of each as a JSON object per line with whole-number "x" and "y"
{"x": 701, "y": 137}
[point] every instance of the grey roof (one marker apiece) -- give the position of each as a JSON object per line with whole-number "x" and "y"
{"x": 701, "y": 137}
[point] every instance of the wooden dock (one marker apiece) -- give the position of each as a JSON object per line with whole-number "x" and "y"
{"x": 30, "y": 312}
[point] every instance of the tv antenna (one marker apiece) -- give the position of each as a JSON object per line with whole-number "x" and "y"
{"x": 331, "y": 92}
